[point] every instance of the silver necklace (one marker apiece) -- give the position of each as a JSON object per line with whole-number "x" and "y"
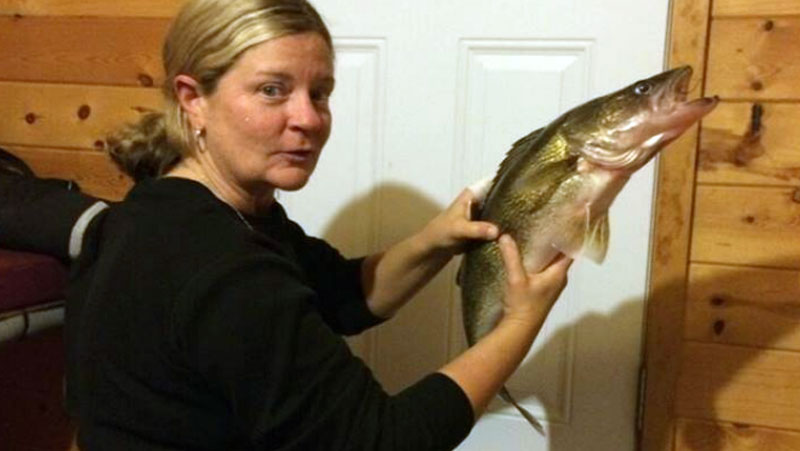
{"x": 241, "y": 216}
{"x": 235, "y": 210}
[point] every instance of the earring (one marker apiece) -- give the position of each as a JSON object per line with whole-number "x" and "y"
{"x": 199, "y": 134}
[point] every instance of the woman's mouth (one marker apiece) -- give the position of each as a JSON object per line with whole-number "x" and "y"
{"x": 298, "y": 156}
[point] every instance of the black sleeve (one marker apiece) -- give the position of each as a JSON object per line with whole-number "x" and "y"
{"x": 337, "y": 281}
{"x": 38, "y": 215}
{"x": 292, "y": 383}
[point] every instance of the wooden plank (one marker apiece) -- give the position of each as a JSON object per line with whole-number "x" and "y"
{"x": 708, "y": 436}
{"x": 673, "y": 208}
{"x": 748, "y": 58}
{"x": 116, "y": 8}
{"x": 90, "y": 50}
{"x": 740, "y": 385}
{"x": 93, "y": 170}
{"x": 747, "y": 226}
{"x": 69, "y": 115}
{"x": 757, "y": 8}
{"x": 731, "y": 153}
{"x": 742, "y": 305}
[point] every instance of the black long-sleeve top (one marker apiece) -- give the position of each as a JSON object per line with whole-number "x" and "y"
{"x": 186, "y": 329}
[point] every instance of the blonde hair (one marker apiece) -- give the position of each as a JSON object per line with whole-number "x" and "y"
{"x": 205, "y": 40}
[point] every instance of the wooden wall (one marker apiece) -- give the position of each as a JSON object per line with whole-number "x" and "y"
{"x": 723, "y": 343}
{"x": 72, "y": 71}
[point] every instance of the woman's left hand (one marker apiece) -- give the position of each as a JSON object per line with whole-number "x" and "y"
{"x": 452, "y": 229}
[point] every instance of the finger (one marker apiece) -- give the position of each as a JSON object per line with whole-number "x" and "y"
{"x": 556, "y": 270}
{"x": 511, "y": 258}
{"x": 464, "y": 203}
{"x": 481, "y": 230}
{"x": 560, "y": 262}
{"x": 475, "y": 230}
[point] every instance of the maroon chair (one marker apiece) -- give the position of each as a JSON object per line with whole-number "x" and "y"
{"x": 32, "y": 415}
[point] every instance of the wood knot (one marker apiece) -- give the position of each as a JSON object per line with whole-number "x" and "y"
{"x": 717, "y": 301}
{"x": 796, "y": 196}
{"x": 30, "y": 118}
{"x": 769, "y": 25}
{"x": 99, "y": 144}
{"x": 145, "y": 80}
{"x": 84, "y": 112}
{"x": 757, "y": 85}
{"x": 719, "y": 327}
{"x": 750, "y": 219}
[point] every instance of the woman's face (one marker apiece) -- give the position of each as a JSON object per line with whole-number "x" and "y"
{"x": 268, "y": 119}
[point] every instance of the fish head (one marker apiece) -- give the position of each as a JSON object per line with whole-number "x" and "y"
{"x": 625, "y": 129}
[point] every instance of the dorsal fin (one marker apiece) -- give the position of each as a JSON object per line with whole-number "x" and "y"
{"x": 518, "y": 149}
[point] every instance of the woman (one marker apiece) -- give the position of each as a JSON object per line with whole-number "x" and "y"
{"x": 200, "y": 317}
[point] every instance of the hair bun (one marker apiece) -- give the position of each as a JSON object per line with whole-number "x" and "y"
{"x": 142, "y": 150}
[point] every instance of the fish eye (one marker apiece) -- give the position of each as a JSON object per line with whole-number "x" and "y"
{"x": 642, "y": 88}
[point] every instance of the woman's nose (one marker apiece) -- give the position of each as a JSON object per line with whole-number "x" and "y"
{"x": 304, "y": 114}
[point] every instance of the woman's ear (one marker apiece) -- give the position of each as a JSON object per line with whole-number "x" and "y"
{"x": 191, "y": 99}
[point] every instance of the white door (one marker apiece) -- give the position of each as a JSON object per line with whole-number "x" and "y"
{"x": 430, "y": 94}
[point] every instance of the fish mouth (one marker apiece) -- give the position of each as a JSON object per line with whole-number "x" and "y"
{"x": 679, "y": 112}
{"x": 680, "y": 83}
{"x": 678, "y": 88}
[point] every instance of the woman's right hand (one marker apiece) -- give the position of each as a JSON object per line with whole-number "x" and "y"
{"x": 529, "y": 296}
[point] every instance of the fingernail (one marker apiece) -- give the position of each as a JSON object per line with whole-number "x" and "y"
{"x": 492, "y": 231}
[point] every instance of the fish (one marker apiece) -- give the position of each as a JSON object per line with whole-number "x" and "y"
{"x": 553, "y": 190}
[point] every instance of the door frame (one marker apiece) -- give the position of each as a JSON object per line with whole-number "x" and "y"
{"x": 687, "y": 43}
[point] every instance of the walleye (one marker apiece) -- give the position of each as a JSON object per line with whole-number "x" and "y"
{"x": 553, "y": 190}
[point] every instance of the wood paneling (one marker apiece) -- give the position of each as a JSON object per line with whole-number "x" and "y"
{"x": 748, "y": 58}
{"x": 731, "y": 152}
{"x": 672, "y": 227}
{"x": 708, "y": 436}
{"x": 743, "y": 305}
{"x": 69, "y": 115}
{"x": 108, "y": 51}
{"x": 737, "y": 352}
{"x": 756, "y": 8}
{"x": 747, "y": 226}
{"x": 138, "y": 8}
{"x": 740, "y": 385}
{"x": 93, "y": 170}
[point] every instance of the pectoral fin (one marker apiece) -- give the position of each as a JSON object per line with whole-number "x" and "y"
{"x": 585, "y": 235}
{"x": 595, "y": 244}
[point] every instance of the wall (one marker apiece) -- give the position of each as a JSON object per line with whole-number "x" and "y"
{"x": 724, "y": 307}
{"x": 71, "y": 72}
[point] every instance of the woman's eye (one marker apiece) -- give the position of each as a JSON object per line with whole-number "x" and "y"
{"x": 272, "y": 90}
{"x": 321, "y": 96}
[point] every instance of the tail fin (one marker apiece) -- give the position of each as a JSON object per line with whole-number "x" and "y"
{"x": 528, "y": 416}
